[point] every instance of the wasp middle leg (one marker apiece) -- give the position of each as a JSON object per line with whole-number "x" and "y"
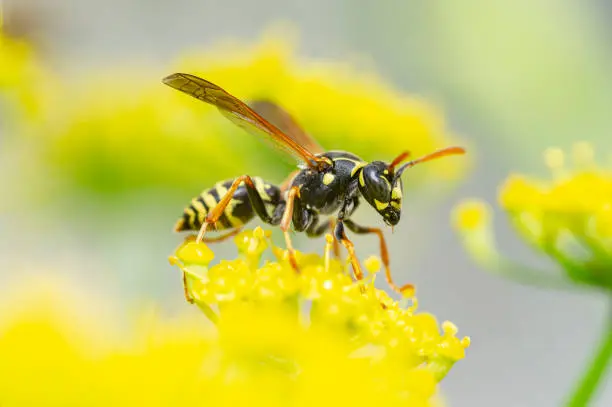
{"x": 340, "y": 236}
{"x": 303, "y": 219}
{"x": 285, "y": 223}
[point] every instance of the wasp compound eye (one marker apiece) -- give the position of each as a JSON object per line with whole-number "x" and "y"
{"x": 374, "y": 182}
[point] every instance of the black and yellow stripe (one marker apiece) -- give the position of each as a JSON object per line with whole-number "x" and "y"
{"x": 238, "y": 212}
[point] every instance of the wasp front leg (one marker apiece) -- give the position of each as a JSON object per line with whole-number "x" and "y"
{"x": 406, "y": 289}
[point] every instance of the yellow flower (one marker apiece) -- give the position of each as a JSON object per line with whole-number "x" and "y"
{"x": 269, "y": 347}
{"x": 567, "y": 217}
{"x": 122, "y": 129}
{"x": 320, "y": 303}
{"x": 24, "y": 85}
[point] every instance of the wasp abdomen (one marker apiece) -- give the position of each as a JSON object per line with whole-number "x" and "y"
{"x": 238, "y": 212}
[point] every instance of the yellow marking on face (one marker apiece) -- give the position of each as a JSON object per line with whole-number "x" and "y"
{"x": 380, "y": 205}
{"x": 361, "y": 180}
{"x": 209, "y": 200}
{"x": 386, "y": 172}
{"x": 396, "y": 205}
{"x": 357, "y": 167}
{"x": 396, "y": 194}
{"x": 260, "y": 186}
{"x": 328, "y": 178}
{"x": 229, "y": 213}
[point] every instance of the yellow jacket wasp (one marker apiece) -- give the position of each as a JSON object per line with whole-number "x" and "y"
{"x": 327, "y": 183}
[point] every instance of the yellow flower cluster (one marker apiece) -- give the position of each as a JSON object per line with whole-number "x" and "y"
{"x": 121, "y": 129}
{"x": 320, "y": 314}
{"x": 568, "y": 217}
{"x": 279, "y": 339}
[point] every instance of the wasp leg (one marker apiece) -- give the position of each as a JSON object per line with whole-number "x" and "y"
{"x": 188, "y": 296}
{"x": 336, "y": 245}
{"x": 316, "y": 229}
{"x": 192, "y": 238}
{"x": 258, "y": 205}
{"x": 287, "y": 182}
{"x": 384, "y": 254}
{"x": 350, "y": 248}
{"x": 223, "y": 237}
{"x": 285, "y": 223}
{"x": 216, "y": 239}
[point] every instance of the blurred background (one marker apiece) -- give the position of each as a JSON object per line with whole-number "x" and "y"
{"x": 98, "y": 158}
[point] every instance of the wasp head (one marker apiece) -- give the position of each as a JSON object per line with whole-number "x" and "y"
{"x": 383, "y": 190}
{"x": 381, "y": 183}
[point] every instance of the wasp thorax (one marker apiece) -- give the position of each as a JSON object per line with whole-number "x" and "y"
{"x": 381, "y": 190}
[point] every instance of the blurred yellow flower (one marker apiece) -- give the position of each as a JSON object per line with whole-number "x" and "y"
{"x": 267, "y": 348}
{"x": 122, "y": 129}
{"x": 24, "y": 85}
{"x": 55, "y": 354}
{"x": 567, "y": 217}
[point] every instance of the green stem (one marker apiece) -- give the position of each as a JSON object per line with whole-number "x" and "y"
{"x": 596, "y": 370}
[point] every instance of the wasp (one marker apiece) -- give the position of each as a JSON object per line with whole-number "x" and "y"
{"x": 327, "y": 184}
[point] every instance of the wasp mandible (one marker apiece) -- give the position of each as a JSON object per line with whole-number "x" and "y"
{"x": 327, "y": 184}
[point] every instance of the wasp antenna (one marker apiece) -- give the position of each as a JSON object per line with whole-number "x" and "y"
{"x": 398, "y": 160}
{"x": 432, "y": 156}
{"x": 440, "y": 153}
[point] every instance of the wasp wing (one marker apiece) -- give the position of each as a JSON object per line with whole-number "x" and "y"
{"x": 280, "y": 118}
{"x": 239, "y": 113}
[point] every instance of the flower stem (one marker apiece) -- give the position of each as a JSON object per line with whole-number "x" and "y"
{"x": 596, "y": 370}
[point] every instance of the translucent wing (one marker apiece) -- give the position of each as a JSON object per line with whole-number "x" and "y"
{"x": 286, "y": 123}
{"x": 242, "y": 115}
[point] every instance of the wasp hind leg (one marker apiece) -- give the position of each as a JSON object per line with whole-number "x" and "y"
{"x": 255, "y": 199}
{"x": 216, "y": 239}
{"x": 303, "y": 220}
{"x": 384, "y": 254}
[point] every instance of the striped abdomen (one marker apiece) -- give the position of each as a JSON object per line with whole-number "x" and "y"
{"x": 237, "y": 213}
